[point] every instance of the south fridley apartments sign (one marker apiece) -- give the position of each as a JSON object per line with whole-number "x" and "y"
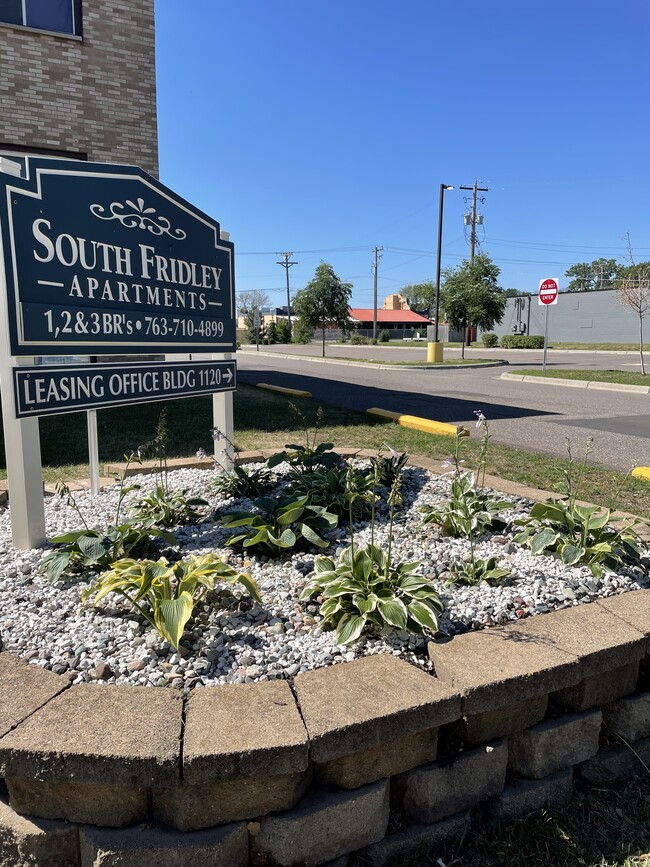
{"x": 103, "y": 258}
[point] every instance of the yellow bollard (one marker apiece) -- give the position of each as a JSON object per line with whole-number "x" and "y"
{"x": 434, "y": 353}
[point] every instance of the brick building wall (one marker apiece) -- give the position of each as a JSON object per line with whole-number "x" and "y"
{"x": 93, "y": 96}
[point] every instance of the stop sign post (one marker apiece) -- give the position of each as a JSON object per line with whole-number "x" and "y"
{"x": 548, "y": 292}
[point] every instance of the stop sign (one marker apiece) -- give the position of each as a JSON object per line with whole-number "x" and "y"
{"x": 548, "y": 290}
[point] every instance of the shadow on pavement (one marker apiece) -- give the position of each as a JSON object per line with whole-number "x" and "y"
{"x": 362, "y": 397}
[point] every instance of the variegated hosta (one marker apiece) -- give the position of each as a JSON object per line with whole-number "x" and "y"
{"x": 166, "y": 595}
{"x": 364, "y": 589}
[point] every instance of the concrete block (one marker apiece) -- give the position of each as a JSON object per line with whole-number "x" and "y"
{"x": 434, "y": 792}
{"x": 416, "y": 839}
{"x": 521, "y": 797}
{"x": 598, "y": 689}
{"x": 365, "y": 703}
{"x": 554, "y": 744}
{"x": 617, "y": 764}
{"x": 36, "y": 842}
{"x": 386, "y": 760}
{"x": 216, "y": 746}
{"x": 190, "y": 808}
{"x": 23, "y": 689}
{"x": 482, "y": 727}
{"x": 118, "y": 735}
{"x": 324, "y": 826}
{"x": 629, "y": 718}
{"x": 494, "y": 668}
{"x": 634, "y": 608}
{"x": 600, "y": 640}
{"x": 155, "y": 847}
{"x": 112, "y": 806}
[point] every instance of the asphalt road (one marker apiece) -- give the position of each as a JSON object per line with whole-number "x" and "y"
{"x": 538, "y": 417}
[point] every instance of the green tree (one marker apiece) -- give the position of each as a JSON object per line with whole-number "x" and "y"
{"x": 471, "y": 295}
{"x": 324, "y": 301}
{"x": 283, "y": 331}
{"x": 302, "y": 331}
{"x": 599, "y": 274}
{"x": 271, "y": 333}
{"x": 421, "y": 296}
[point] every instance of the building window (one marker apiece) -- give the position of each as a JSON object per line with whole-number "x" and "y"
{"x": 57, "y": 16}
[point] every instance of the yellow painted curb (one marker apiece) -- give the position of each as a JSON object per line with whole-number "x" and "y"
{"x": 424, "y": 424}
{"x": 294, "y": 392}
{"x": 642, "y": 473}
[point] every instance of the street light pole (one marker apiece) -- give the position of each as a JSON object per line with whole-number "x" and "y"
{"x": 435, "y": 350}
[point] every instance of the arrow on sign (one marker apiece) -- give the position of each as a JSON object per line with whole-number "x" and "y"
{"x": 228, "y": 376}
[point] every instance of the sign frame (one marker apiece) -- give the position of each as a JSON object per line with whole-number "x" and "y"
{"x": 198, "y": 378}
{"x": 131, "y": 235}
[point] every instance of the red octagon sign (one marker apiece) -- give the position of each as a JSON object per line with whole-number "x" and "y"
{"x": 548, "y": 290}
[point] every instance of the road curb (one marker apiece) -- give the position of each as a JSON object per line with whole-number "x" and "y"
{"x": 578, "y": 383}
{"x": 372, "y": 365}
{"x": 417, "y": 423}
{"x": 293, "y": 392}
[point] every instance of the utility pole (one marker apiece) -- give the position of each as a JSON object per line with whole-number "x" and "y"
{"x": 472, "y": 238}
{"x": 474, "y": 217}
{"x": 375, "y": 266}
{"x": 286, "y": 264}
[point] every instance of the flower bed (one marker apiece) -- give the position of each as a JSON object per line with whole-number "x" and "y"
{"x": 231, "y": 638}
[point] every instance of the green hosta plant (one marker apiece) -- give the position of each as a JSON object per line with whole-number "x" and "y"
{"x": 476, "y": 570}
{"x": 468, "y": 511}
{"x": 306, "y": 457}
{"x": 164, "y": 508}
{"x": 389, "y": 467}
{"x": 242, "y": 482}
{"x": 334, "y": 488}
{"x": 279, "y": 523}
{"x": 90, "y": 549}
{"x": 579, "y": 535}
{"x": 166, "y": 594}
{"x": 364, "y": 589}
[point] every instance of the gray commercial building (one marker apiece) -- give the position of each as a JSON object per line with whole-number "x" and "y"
{"x": 578, "y": 317}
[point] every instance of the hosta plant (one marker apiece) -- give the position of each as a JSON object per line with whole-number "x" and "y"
{"x": 90, "y": 549}
{"x": 580, "y": 535}
{"x": 475, "y": 570}
{"x": 164, "y": 508}
{"x": 306, "y": 457}
{"x": 468, "y": 511}
{"x": 334, "y": 488}
{"x": 364, "y": 589}
{"x": 278, "y": 524}
{"x": 165, "y": 595}
{"x": 243, "y": 482}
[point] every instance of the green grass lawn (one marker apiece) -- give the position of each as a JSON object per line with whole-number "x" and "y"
{"x": 264, "y": 419}
{"x": 600, "y": 347}
{"x": 600, "y": 828}
{"x": 624, "y": 377}
{"x": 453, "y": 361}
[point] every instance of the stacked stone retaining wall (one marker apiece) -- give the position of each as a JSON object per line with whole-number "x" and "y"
{"x": 309, "y": 772}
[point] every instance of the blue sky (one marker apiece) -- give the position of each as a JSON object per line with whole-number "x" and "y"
{"x": 324, "y": 128}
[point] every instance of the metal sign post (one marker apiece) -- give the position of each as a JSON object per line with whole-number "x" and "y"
{"x": 548, "y": 292}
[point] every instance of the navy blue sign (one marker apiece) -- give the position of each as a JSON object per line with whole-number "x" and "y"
{"x": 102, "y": 259}
{"x": 51, "y": 390}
